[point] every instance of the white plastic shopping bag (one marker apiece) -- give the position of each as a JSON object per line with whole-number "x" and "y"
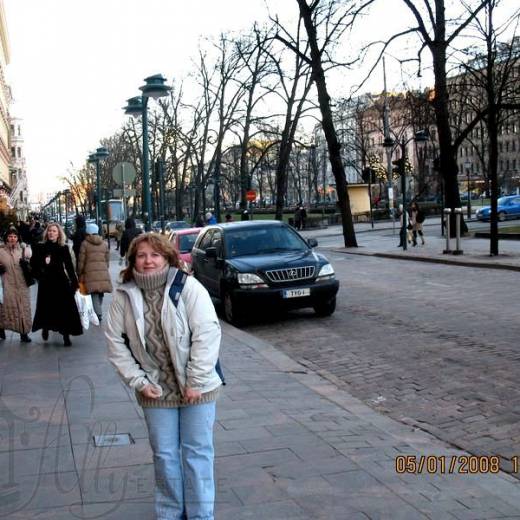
{"x": 86, "y": 310}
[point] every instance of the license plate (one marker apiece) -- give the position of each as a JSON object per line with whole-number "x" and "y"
{"x": 296, "y": 293}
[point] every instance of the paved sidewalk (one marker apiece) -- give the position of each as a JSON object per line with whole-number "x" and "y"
{"x": 289, "y": 444}
{"x": 475, "y": 250}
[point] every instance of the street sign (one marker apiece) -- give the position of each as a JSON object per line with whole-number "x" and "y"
{"x": 123, "y": 173}
{"x": 118, "y": 193}
{"x": 251, "y": 195}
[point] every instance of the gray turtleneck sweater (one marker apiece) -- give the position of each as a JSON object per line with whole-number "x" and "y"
{"x": 153, "y": 286}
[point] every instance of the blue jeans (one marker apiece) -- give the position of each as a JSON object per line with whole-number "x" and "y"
{"x": 182, "y": 445}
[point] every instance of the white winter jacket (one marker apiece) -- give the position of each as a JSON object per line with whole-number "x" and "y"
{"x": 191, "y": 331}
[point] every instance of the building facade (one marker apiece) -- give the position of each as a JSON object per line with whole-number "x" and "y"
{"x": 19, "y": 196}
{"x": 5, "y": 99}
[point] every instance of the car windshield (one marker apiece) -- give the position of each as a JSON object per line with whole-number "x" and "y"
{"x": 503, "y": 201}
{"x": 258, "y": 241}
{"x": 186, "y": 242}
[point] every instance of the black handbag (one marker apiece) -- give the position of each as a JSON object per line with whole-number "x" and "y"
{"x": 27, "y": 272}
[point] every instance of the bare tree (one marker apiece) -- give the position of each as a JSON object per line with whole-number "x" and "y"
{"x": 325, "y": 21}
{"x": 293, "y": 89}
{"x": 492, "y": 91}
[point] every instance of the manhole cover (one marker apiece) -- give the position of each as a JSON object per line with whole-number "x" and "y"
{"x": 121, "y": 439}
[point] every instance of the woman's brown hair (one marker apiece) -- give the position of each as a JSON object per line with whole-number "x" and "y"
{"x": 159, "y": 243}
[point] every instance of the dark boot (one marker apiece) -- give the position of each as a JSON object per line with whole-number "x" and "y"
{"x": 2, "y": 333}
{"x": 45, "y": 334}
{"x": 66, "y": 340}
{"x": 24, "y": 338}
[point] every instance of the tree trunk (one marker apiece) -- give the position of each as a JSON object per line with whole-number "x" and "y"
{"x": 333, "y": 144}
{"x": 448, "y": 161}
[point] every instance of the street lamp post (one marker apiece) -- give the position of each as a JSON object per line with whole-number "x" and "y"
{"x": 59, "y": 207}
{"x": 467, "y": 165}
{"x": 138, "y": 106}
{"x": 419, "y": 137}
{"x": 96, "y": 158}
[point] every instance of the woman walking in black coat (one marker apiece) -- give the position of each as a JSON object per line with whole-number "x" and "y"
{"x": 57, "y": 282}
{"x": 78, "y": 236}
{"x": 130, "y": 232}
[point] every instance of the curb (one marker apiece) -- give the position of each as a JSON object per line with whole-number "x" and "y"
{"x": 445, "y": 261}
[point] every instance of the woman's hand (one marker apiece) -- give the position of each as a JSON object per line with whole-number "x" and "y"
{"x": 191, "y": 395}
{"x": 151, "y": 392}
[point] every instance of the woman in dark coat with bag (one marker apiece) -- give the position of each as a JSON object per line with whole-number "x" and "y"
{"x": 57, "y": 282}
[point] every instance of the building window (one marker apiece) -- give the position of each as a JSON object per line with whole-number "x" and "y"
{"x": 500, "y": 147}
{"x": 507, "y": 146}
{"x": 501, "y": 166}
{"x": 514, "y": 164}
{"x": 507, "y": 165}
{"x": 13, "y": 152}
{"x": 19, "y": 152}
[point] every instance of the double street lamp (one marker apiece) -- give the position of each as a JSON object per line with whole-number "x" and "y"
{"x": 419, "y": 137}
{"x": 96, "y": 158}
{"x": 138, "y": 106}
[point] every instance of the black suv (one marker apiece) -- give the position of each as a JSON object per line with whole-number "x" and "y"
{"x": 263, "y": 264}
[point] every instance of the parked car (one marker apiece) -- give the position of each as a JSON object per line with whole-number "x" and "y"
{"x": 507, "y": 208}
{"x": 263, "y": 264}
{"x": 183, "y": 241}
{"x": 139, "y": 224}
{"x": 176, "y": 224}
{"x": 156, "y": 226}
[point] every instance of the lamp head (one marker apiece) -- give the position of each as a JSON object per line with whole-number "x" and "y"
{"x": 388, "y": 142}
{"x": 92, "y": 158}
{"x": 134, "y": 106}
{"x": 102, "y": 153}
{"x": 421, "y": 136}
{"x": 155, "y": 86}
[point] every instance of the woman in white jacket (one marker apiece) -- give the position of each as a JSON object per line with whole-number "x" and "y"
{"x": 167, "y": 354}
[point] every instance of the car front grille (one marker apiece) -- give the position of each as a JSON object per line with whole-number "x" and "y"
{"x": 290, "y": 275}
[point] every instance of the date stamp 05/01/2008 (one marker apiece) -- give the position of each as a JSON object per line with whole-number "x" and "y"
{"x": 452, "y": 464}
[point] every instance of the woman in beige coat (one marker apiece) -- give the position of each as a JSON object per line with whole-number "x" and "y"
{"x": 15, "y": 311}
{"x": 93, "y": 265}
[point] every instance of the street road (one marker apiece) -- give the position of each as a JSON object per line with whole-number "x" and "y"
{"x": 435, "y": 346}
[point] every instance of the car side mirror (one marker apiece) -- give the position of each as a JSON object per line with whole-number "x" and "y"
{"x": 211, "y": 252}
{"x": 312, "y": 242}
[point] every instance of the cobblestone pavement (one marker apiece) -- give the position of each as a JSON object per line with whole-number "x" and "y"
{"x": 431, "y": 345}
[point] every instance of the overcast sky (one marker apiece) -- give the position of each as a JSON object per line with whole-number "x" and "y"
{"x": 75, "y": 62}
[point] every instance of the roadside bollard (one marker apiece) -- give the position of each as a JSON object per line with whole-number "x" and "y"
{"x": 458, "y": 218}
{"x": 447, "y": 213}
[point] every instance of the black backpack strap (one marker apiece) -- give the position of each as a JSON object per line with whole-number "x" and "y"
{"x": 175, "y": 293}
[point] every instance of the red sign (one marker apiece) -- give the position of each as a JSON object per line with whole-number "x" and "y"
{"x": 251, "y": 195}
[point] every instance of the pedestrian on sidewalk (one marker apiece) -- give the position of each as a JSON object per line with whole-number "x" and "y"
{"x": 93, "y": 263}
{"x": 402, "y": 231}
{"x": 15, "y": 310}
{"x": 57, "y": 282}
{"x": 167, "y": 354}
{"x": 78, "y": 236}
{"x": 416, "y": 220}
{"x": 130, "y": 232}
{"x": 210, "y": 219}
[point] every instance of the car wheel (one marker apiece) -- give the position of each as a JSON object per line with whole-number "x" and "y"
{"x": 501, "y": 216}
{"x": 231, "y": 313}
{"x": 325, "y": 308}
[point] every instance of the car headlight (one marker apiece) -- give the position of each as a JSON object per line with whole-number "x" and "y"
{"x": 326, "y": 272}
{"x": 250, "y": 281}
